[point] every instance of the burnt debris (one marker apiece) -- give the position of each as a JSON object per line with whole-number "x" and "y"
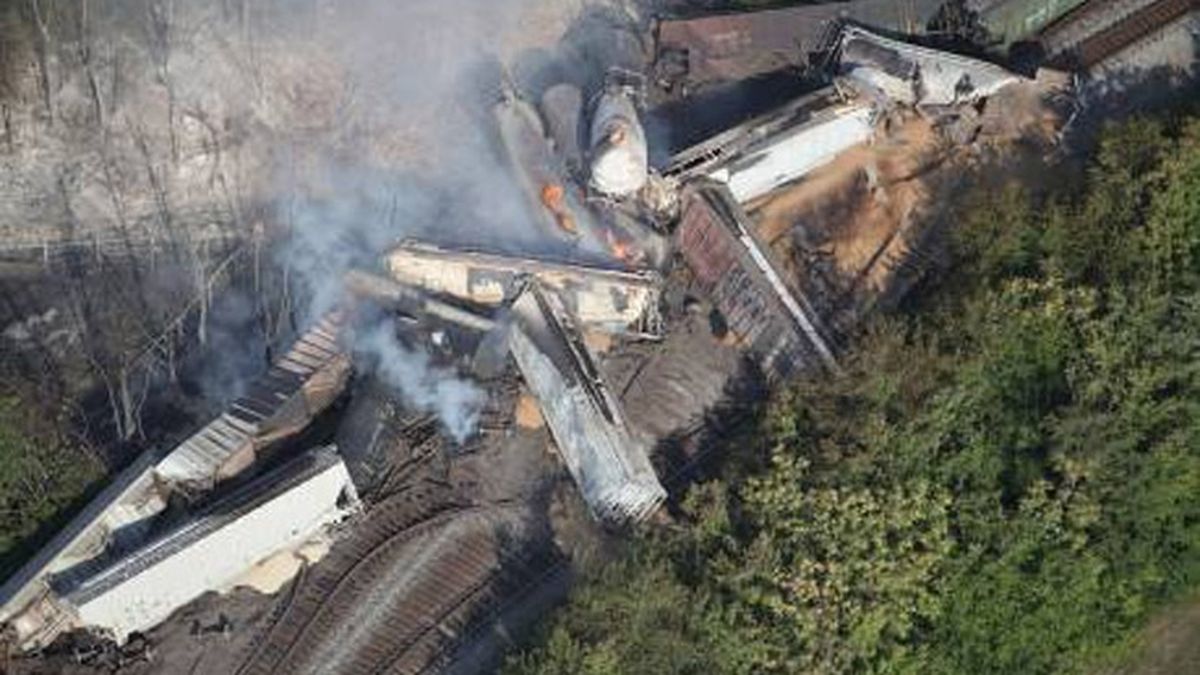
{"x": 788, "y": 228}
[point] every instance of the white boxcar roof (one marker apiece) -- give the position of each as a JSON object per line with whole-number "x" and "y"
{"x": 272, "y": 514}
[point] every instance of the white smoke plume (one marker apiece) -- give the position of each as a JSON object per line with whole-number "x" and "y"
{"x": 333, "y": 235}
{"x": 422, "y": 384}
{"x": 401, "y": 147}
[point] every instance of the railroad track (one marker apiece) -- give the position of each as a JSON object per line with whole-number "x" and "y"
{"x": 388, "y": 520}
{"x": 439, "y": 630}
{"x": 395, "y": 595}
{"x": 424, "y": 447}
{"x": 357, "y": 630}
{"x": 541, "y": 570}
{"x": 1129, "y": 30}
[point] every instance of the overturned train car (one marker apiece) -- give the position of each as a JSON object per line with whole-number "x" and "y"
{"x": 609, "y": 299}
{"x": 774, "y": 323}
{"x": 277, "y": 406}
{"x": 611, "y": 468}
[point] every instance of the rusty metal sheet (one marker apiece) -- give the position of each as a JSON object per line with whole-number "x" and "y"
{"x": 738, "y": 46}
{"x": 754, "y": 308}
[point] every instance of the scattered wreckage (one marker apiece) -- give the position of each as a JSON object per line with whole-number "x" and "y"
{"x": 546, "y": 341}
{"x": 750, "y": 205}
{"x": 695, "y": 52}
{"x": 85, "y": 575}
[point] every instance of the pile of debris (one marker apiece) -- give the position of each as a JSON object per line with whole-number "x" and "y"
{"x": 248, "y": 498}
{"x": 792, "y": 226}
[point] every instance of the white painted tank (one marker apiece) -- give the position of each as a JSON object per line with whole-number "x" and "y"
{"x": 619, "y": 158}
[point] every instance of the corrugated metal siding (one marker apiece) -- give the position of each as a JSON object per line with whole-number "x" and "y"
{"x": 732, "y": 47}
{"x": 227, "y": 444}
{"x": 725, "y": 271}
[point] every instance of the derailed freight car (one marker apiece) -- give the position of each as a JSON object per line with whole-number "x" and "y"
{"x": 608, "y": 299}
{"x": 611, "y": 468}
{"x": 277, "y": 406}
{"x": 775, "y": 324}
{"x": 732, "y": 47}
{"x": 278, "y": 512}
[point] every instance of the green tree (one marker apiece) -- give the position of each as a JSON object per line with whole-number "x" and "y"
{"x": 838, "y": 579}
{"x": 1004, "y": 480}
{"x": 40, "y": 477}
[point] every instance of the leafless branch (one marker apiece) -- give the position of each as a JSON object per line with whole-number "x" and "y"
{"x": 44, "y": 57}
{"x": 85, "y": 57}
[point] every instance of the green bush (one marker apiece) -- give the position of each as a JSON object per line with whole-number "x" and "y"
{"x": 41, "y": 478}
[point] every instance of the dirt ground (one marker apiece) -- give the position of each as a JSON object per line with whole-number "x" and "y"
{"x": 1170, "y": 645}
{"x": 856, "y": 208}
{"x": 847, "y": 234}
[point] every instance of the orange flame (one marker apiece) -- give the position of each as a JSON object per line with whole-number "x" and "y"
{"x": 553, "y": 199}
{"x": 622, "y": 250}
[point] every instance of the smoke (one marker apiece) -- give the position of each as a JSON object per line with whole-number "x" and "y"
{"x": 230, "y": 334}
{"x": 406, "y": 149}
{"x": 349, "y": 228}
{"x": 423, "y": 385}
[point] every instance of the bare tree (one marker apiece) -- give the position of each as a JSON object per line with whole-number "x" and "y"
{"x": 84, "y": 49}
{"x": 45, "y": 57}
{"x": 160, "y": 14}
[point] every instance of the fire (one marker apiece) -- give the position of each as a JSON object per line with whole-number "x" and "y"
{"x": 553, "y": 198}
{"x": 618, "y": 134}
{"x": 622, "y": 250}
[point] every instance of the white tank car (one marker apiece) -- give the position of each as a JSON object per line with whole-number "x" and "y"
{"x": 619, "y": 158}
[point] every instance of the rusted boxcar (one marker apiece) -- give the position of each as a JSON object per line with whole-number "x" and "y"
{"x": 733, "y": 47}
{"x": 771, "y": 322}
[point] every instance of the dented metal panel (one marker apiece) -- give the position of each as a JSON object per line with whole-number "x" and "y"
{"x": 273, "y": 513}
{"x": 779, "y": 147}
{"x": 705, "y": 157}
{"x": 912, "y": 75}
{"x": 612, "y": 470}
{"x": 613, "y": 300}
{"x": 795, "y": 152}
{"x": 275, "y": 406}
{"x": 731, "y": 47}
